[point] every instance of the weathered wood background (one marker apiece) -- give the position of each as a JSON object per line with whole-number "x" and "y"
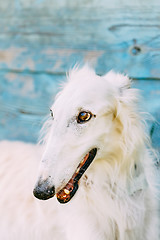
{"x": 41, "y": 39}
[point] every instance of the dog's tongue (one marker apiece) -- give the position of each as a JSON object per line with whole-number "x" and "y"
{"x": 66, "y": 193}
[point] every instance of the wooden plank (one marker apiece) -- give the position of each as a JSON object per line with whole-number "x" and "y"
{"x": 125, "y": 39}
{"x": 10, "y": 6}
{"x": 150, "y": 90}
{"x": 24, "y": 102}
{"x": 40, "y": 40}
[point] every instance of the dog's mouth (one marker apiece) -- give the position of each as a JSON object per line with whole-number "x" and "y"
{"x": 66, "y": 193}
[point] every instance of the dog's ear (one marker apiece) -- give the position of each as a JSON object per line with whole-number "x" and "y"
{"x": 130, "y": 124}
{"x": 119, "y": 81}
{"x": 125, "y": 96}
{"x": 127, "y": 115}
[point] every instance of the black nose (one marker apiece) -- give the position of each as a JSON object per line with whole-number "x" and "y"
{"x": 43, "y": 190}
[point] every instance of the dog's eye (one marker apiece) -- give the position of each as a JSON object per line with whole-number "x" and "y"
{"x": 84, "y": 117}
{"x": 51, "y": 112}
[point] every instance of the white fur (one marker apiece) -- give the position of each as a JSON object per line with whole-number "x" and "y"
{"x": 117, "y": 196}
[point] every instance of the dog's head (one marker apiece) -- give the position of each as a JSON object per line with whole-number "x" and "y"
{"x": 94, "y": 118}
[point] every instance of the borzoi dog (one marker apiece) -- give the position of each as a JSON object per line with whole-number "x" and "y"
{"x": 97, "y": 164}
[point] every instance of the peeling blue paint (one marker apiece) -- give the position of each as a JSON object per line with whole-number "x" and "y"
{"x": 18, "y": 5}
{"x": 39, "y": 1}
{"x": 40, "y": 41}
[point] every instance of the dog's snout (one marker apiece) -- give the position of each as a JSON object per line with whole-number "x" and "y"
{"x": 43, "y": 190}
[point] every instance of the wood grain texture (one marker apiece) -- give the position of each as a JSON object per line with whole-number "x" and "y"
{"x": 25, "y": 104}
{"x": 125, "y": 39}
{"x": 40, "y": 40}
{"x": 150, "y": 90}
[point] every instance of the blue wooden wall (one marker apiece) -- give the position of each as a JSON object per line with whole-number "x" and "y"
{"x": 41, "y": 39}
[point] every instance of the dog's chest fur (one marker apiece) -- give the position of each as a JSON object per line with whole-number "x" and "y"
{"x": 106, "y": 207}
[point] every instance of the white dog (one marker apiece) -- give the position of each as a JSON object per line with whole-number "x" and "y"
{"x": 97, "y": 163}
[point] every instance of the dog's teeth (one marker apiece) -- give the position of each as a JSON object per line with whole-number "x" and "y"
{"x": 77, "y": 171}
{"x": 66, "y": 191}
{"x": 82, "y": 161}
{"x": 85, "y": 158}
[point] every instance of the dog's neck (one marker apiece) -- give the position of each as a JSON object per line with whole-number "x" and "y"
{"x": 112, "y": 177}
{"x": 108, "y": 198}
